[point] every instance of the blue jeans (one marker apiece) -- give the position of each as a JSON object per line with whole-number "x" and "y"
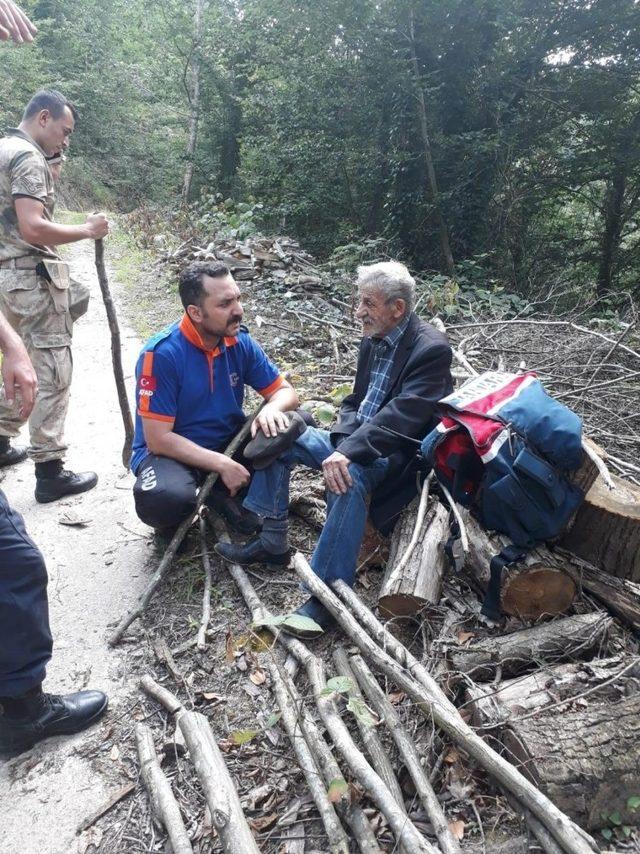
{"x": 337, "y": 549}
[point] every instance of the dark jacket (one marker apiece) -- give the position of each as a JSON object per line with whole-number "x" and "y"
{"x": 420, "y": 377}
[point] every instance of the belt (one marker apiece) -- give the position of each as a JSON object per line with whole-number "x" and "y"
{"x": 25, "y": 262}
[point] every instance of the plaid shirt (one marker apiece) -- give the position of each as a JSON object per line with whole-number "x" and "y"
{"x": 383, "y": 352}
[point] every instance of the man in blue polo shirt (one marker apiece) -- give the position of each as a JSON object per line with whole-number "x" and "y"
{"x": 190, "y": 390}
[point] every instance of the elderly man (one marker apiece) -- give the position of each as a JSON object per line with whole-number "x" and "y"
{"x": 190, "y": 389}
{"x": 35, "y": 287}
{"x": 403, "y": 370}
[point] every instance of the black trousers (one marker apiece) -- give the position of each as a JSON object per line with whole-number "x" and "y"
{"x": 25, "y": 636}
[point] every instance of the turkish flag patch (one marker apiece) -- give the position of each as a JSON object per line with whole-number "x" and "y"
{"x": 147, "y": 383}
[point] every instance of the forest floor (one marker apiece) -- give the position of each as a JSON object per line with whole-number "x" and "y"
{"x": 98, "y": 569}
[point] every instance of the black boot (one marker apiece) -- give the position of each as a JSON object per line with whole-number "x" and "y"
{"x": 231, "y": 509}
{"x": 250, "y": 553}
{"x": 27, "y": 719}
{"x": 53, "y": 482}
{"x": 11, "y": 454}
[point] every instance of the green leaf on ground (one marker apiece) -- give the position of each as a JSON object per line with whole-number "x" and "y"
{"x": 337, "y": 790}
{"x": 337, "y": 685}
{"x": 633, "y": 803}
{"x": 361, "y": 711}
{"x": 272, "y": 720}
{"x": 243, "y": 736}
{"x": 303, "y": 624}
{"x": 325, "y": 413}
{"x": 607, "y": 832}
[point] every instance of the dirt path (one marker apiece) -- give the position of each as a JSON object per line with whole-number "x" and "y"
{"x": 94, "y": 573}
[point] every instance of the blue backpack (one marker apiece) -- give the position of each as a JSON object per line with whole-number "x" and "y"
{"x": 503, "y": 448}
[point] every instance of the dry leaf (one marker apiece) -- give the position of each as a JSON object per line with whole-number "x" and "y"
{"x": 463, "y": 637}
{"x": 91, "y": 838}
{"x": 451, "y": 756}
{"x": 396, "y": 697}
{"x": 213, "y": 697}
{"x": 71, "y": 518}
{"x": 264, "y": 823}
{"x": 258, "y": 677}
{"x": 114, "y": 755}
{"x": 241, "y": 663}
{"x": 457, "y": 829}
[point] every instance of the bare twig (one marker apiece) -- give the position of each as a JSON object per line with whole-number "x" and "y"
{"x": 201, "y": 641}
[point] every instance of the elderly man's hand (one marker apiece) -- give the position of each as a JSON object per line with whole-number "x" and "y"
{"x": 336, "y": 473}
{"x": 270, "y": 420}
{"x": 14, "y": 24}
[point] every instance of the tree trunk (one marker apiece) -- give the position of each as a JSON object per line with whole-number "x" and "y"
{"x": 518, "y": 652}
{"x": 428, "y": 157}
{"x": 606, "y": 530}
{"x": 419, "y": 582}
{"x": 194, "y": 102}
{"x": 586, "y": 760}
{"x": 613, "y": 223}
{"x": 535, "y": 587}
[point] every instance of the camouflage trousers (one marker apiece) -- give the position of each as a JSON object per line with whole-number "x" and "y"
{"x": 40, "y": 312}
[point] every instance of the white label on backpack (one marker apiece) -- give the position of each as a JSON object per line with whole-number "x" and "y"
{"x": 488, "y": 383}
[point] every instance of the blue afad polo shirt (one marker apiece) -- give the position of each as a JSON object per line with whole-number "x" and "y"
{"x": 199, "y": 392}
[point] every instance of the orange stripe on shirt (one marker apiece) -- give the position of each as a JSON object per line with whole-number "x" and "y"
{"x": 155, "y": 416}
{"x": 279, "y": 382}
{"x": 147, "y": 371}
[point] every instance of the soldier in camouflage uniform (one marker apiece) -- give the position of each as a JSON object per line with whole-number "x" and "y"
{"x": 35, "y": 287}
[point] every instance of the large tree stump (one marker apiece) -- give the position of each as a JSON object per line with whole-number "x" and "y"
{"x": 534, "y": 588}
{"x": 559, "y": 640}
{"x": 586, "y": 760}
{"x": 406, "y": 590}
{"x": 606, "y": 529}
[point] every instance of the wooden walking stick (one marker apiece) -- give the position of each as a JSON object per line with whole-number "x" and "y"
{"x": 116, "y": 354}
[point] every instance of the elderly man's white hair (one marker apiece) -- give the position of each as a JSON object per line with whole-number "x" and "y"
{"x": 391, "y": 278}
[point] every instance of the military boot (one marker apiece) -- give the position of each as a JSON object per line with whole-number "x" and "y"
{"x": 27, "y": 719}
{"x": 11, "y": 454}
{"x": 54, "y": 482}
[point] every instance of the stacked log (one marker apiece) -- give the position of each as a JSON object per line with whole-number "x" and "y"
{"x": 414, "y": 582}
{"x": 606, "y": 529}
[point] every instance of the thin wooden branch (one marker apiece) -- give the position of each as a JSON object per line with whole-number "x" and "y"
{"x": 422, "y": 509}
{"x": 374, "y": 747}
{"x": 338, "y": 841}
{"x": 464, "y": 537}
{"x": 218, "y": 787}
{"x": 163, "y": 803}
{"x": 599, "y": 463}
{"x": 408, "y": 753}
{"x": 347, "y": 808}
{"x": 201, "y": 641}
{"x": 430, "y": 698}
{"x": 167, "y": 559}
{"x": 109, "y": 804}
{"x": 116, "y": 353}
{"x": 405, "y": 831}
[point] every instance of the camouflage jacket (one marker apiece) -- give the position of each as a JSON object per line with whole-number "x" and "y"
{"x": 23, "y": 172}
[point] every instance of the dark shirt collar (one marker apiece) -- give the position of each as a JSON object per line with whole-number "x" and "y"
{"x": 391, "y": 339}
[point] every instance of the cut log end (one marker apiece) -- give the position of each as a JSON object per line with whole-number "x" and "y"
{"x": 537, "y": 592}
{"x": 400, "y": 605}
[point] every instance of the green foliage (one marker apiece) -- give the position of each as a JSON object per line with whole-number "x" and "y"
{"x": 309, "y": 124}
{"x": 337, "y": 685}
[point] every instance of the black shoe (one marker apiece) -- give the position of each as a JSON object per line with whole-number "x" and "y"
{"x": 12, "y": 454}
{"x": 162, "y": 539}
{"x": 314, "y": 610}
{"x": 241, "y": 520}
{"x": 65, "y": 482}
{"x": 250, "y": 553}
{"x": 28, "y": 719}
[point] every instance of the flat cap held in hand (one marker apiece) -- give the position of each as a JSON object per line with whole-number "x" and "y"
{"x": 263, "y": 450}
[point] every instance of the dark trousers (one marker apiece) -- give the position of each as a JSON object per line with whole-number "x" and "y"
{"x": 25, "y": 637}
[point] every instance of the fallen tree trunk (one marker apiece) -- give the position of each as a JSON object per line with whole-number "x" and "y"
{"x": 621, "y": 597}
{"x": 163, "y": 803}
{"x": 586, "y": 760}
{"x": 549, "y": 686}
{"x": 412, "y": 583}
{"x": 559, "y": 640}
{"x": 606, "y": 529}
{"x": 219, "y": 789}
{"x": 533, "y": 588}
